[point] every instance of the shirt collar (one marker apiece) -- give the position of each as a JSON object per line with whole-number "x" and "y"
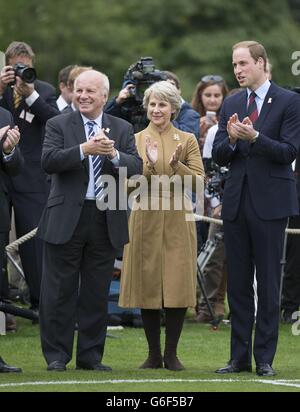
{"x": 262, "y": 91}
{"x": 98, "y": 120}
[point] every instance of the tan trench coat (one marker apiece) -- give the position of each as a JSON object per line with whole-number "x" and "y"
{"x": 159, "y": 263}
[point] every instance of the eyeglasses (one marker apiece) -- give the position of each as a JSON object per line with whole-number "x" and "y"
{"x": 212, "y": 78}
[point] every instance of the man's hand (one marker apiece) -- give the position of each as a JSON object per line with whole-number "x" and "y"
{"x": 7, "y": 76}
{"x": 233, "y": 136}
{"x": 245, "y": 130}
{"x": 99, "y": 144}
{"x": 10, "y": 138}
{"x": 125, "y": 93}
{"x": 22, "y": 88}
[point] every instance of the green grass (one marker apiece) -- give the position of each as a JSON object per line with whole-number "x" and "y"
{"x": 201, "y": 350}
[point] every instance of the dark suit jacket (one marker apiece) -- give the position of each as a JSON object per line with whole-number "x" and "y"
{"x": 32, "y": 178}
{"x": 267, "y": 162}
{"x": 70, "y": 176}
{"x": 11, "y": 168}
{"x": 188, "y": 120}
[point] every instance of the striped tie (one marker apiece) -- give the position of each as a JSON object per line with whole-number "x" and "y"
{"x": 96, "y": 161}
{"x": 252, "y": 108}
{"x": 17, "y": 99}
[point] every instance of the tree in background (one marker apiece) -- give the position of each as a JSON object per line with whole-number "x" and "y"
{"x": 191, "y": 38}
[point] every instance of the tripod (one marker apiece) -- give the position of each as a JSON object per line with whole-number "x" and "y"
{"x": 205, "y": 254}
{"x": 15, "y": 310}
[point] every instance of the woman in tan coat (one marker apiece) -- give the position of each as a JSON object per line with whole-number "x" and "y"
{"x": 159, "y": 264}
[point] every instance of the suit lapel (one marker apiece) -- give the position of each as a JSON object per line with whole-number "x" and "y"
{"x": 78, "y": 133}
{"x": 266, "y": 107}
{"x": 241, "y": 110}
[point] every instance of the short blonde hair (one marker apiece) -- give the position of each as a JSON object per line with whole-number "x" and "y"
{"x": 166, "y": 92}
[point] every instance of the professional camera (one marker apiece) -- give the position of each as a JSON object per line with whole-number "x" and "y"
{"x": 215, "y": 182}
{"x": 143, "y": 74}
{"x": 26, "y": 73}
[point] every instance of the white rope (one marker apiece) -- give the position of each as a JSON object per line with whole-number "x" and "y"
{"x": 14, "y": 245}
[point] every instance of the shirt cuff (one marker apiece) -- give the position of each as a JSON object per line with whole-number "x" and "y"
{"x": 82, "y": 157}
{"x": 32, "y": 98}
{"x": 116, "y": 160}
{"x": 7, "y": 157}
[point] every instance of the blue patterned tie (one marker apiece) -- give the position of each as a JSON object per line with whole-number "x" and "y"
{"x": 96, "y": 161}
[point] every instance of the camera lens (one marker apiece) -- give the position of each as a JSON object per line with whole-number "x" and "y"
{"x": 29, "y": 75}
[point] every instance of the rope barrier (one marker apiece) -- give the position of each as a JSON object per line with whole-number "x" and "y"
{"x": 14, "y": 245}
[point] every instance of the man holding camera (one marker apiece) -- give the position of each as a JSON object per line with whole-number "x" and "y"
{"x": 31, "y": 102}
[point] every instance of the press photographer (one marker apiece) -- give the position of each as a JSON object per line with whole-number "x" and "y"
{"x": 128, "y": 104}
{"x": 31, "y": 102}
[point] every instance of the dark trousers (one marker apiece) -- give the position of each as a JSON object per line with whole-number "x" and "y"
{"x": 291, "y": 280}
{"x": 2, "y": 251}
{"x": 252, "y": 243}
{"x": 75, "y": 287}
{"x": 28, "y": 208}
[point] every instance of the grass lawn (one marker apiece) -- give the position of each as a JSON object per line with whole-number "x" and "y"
{"x": 201, "y": 351}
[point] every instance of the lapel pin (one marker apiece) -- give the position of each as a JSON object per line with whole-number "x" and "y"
{"x": 176, "y": 137}
{"x": 270, "y": 100}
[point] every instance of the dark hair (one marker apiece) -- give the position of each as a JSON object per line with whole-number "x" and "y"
{"x": 63, "y": 74}
{"x": 172, "y": 76}
{"x": 206, "y": 81}
{"x": 18, "y": 48}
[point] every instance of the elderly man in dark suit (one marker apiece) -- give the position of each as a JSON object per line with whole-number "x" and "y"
{"x": 31, "y": 105}
{"x": 82, "y": 240}
{"x": 10, "y": 162}
{"x": 259, "y": 136}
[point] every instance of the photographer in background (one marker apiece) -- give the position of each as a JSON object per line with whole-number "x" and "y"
{"x": 188, "y": 119}
{"x": 31, "y": 102}
{"x": 10, "y": 162}
{"x": 128, "y": 105}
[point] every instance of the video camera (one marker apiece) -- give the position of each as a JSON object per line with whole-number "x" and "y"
{"x": 143, "y": 74}
{"x": 215, "y": 182}
{"x": 26, "y": 73}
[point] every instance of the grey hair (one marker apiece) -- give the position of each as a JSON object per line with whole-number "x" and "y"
{"x": 164, "y": 91}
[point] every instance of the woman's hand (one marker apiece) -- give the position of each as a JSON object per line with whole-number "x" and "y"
{"x": 151, "y": 151}
{"x": 175, "y": 156}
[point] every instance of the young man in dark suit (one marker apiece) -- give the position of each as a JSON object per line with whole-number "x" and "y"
{"x": 31, "y": 105}
{"x": 81, "y": 241}
{"x": 259, "y": 136}
{"x": 10, "y": 162}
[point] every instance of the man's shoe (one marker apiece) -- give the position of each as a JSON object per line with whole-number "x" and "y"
{"x": 234, "y": 366}
{"x": 96, "y": 367}
{"x": 56, "y": 366}
{"x": 4, "y": 368}
{"x": 264, "y": 369}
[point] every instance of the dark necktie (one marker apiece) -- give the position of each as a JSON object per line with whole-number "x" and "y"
{"x": 96, "y": 161}
{"x": 252, "y": 108}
